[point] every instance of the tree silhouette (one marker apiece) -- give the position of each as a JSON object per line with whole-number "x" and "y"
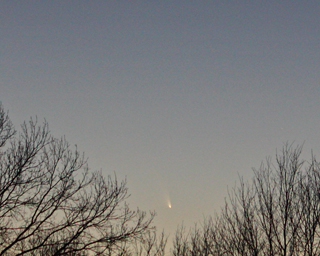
{"x": 277, "y": 213}
{"x": 51, "y": 204}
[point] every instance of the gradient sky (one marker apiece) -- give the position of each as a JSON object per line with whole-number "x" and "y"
{"x": 178, "y": 96}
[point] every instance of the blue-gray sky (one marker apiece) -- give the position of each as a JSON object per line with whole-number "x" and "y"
{"x": 178, "y": 96}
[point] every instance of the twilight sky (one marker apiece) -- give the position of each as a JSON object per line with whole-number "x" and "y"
{"x": 178, "y": 96}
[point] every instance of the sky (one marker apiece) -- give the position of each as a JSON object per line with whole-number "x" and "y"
{"x": 178, "y": 97}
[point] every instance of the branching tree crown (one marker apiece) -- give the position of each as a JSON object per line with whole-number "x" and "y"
{"x": 51, "y": 204}
{"x": 277, "y": 214}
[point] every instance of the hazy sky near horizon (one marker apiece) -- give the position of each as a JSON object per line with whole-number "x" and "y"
{"x": 178, "y": 96}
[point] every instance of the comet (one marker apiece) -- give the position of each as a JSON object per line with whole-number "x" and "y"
{"x": 167, "y": 200}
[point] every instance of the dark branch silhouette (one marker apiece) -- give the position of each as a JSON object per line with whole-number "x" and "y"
{"x": 278, "y": 213}
{"x": 51, "y": 204}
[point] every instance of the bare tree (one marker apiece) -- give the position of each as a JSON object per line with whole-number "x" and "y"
{"x": 279, "y": 205}
{"x": 181, "y": 244}
{"x": 150, "y": 245}
{"x": 277, "y": 213}
{"x": 51, "y": 204}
